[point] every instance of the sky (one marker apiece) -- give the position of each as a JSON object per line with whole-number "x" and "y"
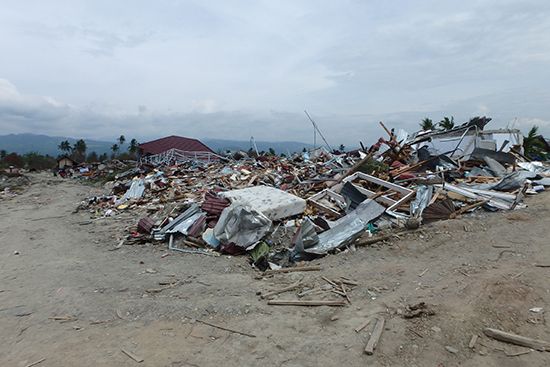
{"x": 235, "y": 69}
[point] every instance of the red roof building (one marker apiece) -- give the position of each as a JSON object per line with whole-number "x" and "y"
{"x": 173, "y": 142}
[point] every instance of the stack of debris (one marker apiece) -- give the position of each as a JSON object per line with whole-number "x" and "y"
{"x": 286, "y": 210}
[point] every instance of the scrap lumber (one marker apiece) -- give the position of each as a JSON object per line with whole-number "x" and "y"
{"x": 305, "y": 303}
{"x": 362, "y": 326}
{"x": 352, "y": 170}
{"x": 329, "y": 281}
{"x": 473, "y": 341}
{"x": 35, "y": 363}
{"x": 286, "y": 289}
{"x": 347, "y": 281}
{"x": 375, "y": 336}
{"x": 424, "y": 272}
{"x": 345, "y": 293}
{"x": 392, "y": 138}
{"x": 309, "y": 292}
{"x": 132, "y": 355}
{"x": 288, "y": 270}
{"x": 226, "y": 329}
{"x": 516, "y": 339}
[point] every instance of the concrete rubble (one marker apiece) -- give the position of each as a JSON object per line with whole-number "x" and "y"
{"x": 281, "y": 211}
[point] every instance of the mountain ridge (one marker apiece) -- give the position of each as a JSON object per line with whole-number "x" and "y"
{"x": 48, "y": 145}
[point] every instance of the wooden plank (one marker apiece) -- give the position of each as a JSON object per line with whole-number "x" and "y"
{"x": 286, "y": 289}
{"x": 375, "y": 336}
{"x": 305, "y": 303}
{"x": 362, "y": 326}
{"x": 473, "y": 341}
{"x": 226, "y": 329}
{"x": 516, "y": 339}
{"x": 132, "y": 355}
{"x": 37, "y": 362}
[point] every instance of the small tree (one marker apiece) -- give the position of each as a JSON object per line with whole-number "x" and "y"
{"x": 3, "y": 153}
{"x": 38, "y": 161}
{"x": 342, "y": 148}
{"x": 13, "y": 159}
{"x": 427, "y": 124}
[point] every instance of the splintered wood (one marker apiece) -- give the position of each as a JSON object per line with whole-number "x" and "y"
{"x": 375, "y": 336}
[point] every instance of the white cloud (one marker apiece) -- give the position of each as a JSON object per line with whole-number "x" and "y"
{"x": 220, "y": 69}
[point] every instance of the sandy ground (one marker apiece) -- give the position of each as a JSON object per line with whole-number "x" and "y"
{"x": 475, "y": 272}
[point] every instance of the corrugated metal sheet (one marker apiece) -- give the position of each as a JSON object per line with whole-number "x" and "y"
{"x": 145, "y": 225}
{"x": 173, "y": 142}
{"x": 198, "y": 227}
{"x": 213, "y": 204}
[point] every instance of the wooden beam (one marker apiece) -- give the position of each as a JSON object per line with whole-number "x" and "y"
{"x": 305, "y": 303}
{"x": 375, "y": 336}
{"x": 516, "y": 339}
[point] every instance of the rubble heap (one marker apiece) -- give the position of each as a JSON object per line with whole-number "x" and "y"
{"x": 282, "y": 211}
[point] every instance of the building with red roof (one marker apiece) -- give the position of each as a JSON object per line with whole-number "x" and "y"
{"x": 162, "y": 145}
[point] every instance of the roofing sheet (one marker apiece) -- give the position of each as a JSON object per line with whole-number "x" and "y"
{"x": 170, "y": 142}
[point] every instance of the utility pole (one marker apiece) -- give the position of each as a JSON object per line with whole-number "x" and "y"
{"x": 316, "y": 128}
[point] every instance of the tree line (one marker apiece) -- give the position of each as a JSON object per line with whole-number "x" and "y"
{"x": 77, "y": 152}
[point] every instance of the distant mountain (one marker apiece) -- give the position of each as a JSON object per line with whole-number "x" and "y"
{"x": 278, "y": 146}
{"x": 43, "y": 144}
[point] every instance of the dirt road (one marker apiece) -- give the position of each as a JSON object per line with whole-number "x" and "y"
{"x": 67, "y": 300}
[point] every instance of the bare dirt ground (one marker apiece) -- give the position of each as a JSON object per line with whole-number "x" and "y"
{"x": 475, "y": 272}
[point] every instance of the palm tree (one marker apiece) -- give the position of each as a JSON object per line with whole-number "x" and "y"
{"x": 427, "y": 124}
{"x": 80, "y": 149}
{"x": 133, "y": 148}
{"x": 115, "y": 148}
{"x": 532, "y": 146}
{"x": 65, "y": 146}
{"x": 446, "y": 123}
{"x": 121, "y": 140}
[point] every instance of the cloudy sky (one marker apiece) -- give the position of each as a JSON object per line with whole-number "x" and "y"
{"x": 227, "y": 69}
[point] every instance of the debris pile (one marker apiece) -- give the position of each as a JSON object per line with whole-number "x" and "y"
{"x": 283, "y": 211}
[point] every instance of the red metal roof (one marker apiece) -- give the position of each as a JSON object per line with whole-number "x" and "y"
{"x": 162, "y": 145}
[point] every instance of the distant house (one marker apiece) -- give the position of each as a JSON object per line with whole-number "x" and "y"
{"x": 174, "y": 149}
{"x": 66, "y": 161}
{"x": 173, "y": 142}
